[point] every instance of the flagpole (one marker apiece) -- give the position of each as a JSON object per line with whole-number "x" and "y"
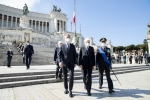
{"x": 80, "y": 28}
{"x": 71, "y": 26}
{"x": 75, "y": 15}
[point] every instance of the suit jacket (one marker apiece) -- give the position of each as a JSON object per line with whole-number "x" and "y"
{"x": 65, "y": 57}
{"x": 9, "y": 53}
{"x": 56, "y": 55}
{"x": 99, "y": 58}
{"x": 86, "y": 56}
{"x": 28, "y": 50}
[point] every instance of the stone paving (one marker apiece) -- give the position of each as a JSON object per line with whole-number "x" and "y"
{"x": 19, "y": 69}
{"x": 135, "y": 86}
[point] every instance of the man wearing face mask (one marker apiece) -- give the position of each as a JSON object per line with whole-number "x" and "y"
{"x": 67, "y": 60}
{"x": 87, "y": 63}
{"x": 103, "y": 58}
{"x": 9, "y": 57}
{"x": 28, "y": 53}
{"x": 56, "y": 61}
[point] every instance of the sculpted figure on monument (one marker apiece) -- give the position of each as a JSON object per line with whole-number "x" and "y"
{"x": 25, "y": 10}
{"x": 55, "y": 8}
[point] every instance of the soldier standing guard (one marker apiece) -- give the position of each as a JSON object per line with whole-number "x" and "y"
{"x": 103, "y": 59}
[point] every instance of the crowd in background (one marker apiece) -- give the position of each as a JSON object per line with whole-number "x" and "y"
{"x": 138, "y": 58}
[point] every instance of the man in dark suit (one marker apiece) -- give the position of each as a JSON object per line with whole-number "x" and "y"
{"x": 146, "y": 57}
{"x": 103, "y": 58}
{"x": 28, "y": 53}
{"x": 67, "y": 60}
{"x": 9, "y": 57}
{"x": 87, "y": 63}
{"x": 56, "y": 61}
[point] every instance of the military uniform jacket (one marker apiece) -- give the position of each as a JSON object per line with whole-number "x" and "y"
{"x": 99, "y": 58}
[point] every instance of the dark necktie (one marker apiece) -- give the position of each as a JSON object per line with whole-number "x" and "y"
{"x": 87, "y": 50}
{"x": 68, "y": 48}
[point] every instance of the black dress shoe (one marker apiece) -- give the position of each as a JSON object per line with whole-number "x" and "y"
{"x": 70, "y": 94}
{"x": 66, "y": 91}
{"x": 88, "y": 93}
{"x": 111, "y": 91}
{"x": 100, "y": 87}
{"x": 27, "y": 68}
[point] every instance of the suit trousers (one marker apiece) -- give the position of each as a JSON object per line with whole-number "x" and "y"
{"x": 71, "y": 76}
{"x": 87, "y": 77}
{"x": 58, "y": 72}
{"x": 8, "y": 61}
{"x": 107, "y": 72}
{"x": 28, "y": 60}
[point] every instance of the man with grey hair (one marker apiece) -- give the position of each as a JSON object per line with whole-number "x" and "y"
{"x": 87, "y": 63}
{"x": 56, "y": 61}
{"x": 67, "y": 60}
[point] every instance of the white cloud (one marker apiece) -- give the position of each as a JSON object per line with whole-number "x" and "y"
{"x": 19, "y": 3}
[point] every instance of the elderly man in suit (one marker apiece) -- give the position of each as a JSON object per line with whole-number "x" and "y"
{"x": 56, "y": 61}
{"x": 67, "y": 60}
{"x": 103, "y": 58}
{"x": 87, "y": 63}
{"x": 9, "y": 57}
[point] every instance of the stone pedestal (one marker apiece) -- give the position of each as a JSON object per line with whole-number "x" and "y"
{"x": 148, "y": 38}
{"x": 24, "y": 21}
{"x": 109, "y": 45}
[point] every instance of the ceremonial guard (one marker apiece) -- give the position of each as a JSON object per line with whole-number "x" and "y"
{"x": 103, "y": 58}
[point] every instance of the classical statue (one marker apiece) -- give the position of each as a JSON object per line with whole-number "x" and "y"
{"x": 59, "y": 10}
{"x": 25, "y": 10}
{"x": 55, "y": 9}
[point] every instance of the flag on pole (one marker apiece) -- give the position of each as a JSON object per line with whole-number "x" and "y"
{"x": 74, "y": 18}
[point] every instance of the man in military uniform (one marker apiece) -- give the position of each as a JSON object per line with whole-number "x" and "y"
{"x": 103, "y": 58}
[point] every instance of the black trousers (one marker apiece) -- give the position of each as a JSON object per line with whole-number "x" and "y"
{"x": 8, "y": 61}
{"x": 28, "y": 61}
{"x": 58, "y": 71}
{"x": 107, "y": 72}
{"x": 71, "y": 76}
{"x": 87, "y": 77}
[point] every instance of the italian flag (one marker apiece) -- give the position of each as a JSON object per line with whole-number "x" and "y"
{"x": 74, "y": 18}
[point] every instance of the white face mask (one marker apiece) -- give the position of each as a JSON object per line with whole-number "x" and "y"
{"x": 9, "y": 49}
{"x": 68, "y": 40}
{"x": 103, "y": 44}
{"x": 87, "y": 44}
{"x": 27, "y": 43}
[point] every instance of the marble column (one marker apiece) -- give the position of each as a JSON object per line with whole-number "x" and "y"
{"x": 42, "y": 26}
{"x": 2, "y": 20}
{"x": 16, "y": 22}
{"x": 62, "y": 26}
{"x": 46, "y": 28}
{"x": 11, "y": 21}
{"x": 39, "y": 26}
{"x": 7, "y": 21}
{"x": 49, "y": 27}
{"x": 35, "y": 25}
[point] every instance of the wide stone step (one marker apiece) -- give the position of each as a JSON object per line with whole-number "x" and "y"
{"x": 52, "y": 80}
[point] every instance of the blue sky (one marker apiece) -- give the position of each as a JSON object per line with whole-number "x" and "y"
{"x": 124, "y": 22}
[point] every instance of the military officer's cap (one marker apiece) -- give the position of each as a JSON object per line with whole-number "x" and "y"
{"x": 103, "y": 40}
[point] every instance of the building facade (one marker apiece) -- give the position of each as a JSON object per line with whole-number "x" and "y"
{"x": 42, "y": 29}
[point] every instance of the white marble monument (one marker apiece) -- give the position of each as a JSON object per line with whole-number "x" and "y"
{"x": 40, "y": 29}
